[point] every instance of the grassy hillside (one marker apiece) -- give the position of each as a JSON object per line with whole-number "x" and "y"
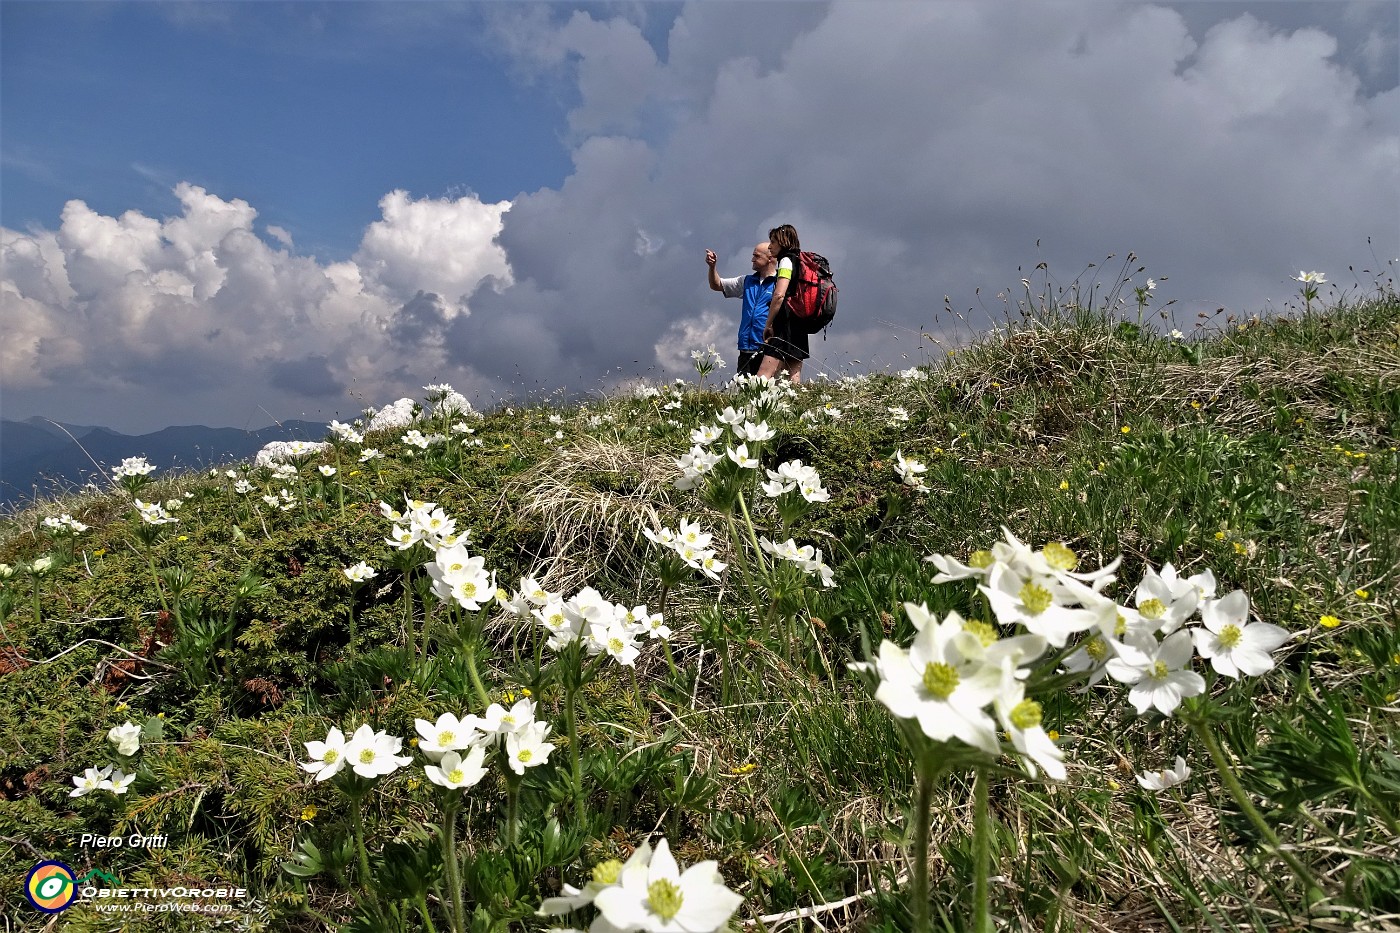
{"x": 1264, "y": 452}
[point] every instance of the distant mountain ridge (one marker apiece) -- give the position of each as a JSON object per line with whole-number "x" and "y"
{"x": 39, "y": 457}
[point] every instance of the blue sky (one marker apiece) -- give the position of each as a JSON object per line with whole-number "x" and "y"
{"x": 309, "y": 111}
{"x": 230, "y": 213}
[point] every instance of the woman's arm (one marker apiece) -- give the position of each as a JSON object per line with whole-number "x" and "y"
{"x": 775, "y": 305}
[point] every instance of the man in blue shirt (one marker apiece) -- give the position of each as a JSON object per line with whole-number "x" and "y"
{"x": 756, "y": 289}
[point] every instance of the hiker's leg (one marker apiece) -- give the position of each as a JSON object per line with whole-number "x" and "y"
{"x": 770, "y": 366}
{"x": 795, "y": 367}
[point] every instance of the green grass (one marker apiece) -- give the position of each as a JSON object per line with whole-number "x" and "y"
{"x": 1265, "y": 452}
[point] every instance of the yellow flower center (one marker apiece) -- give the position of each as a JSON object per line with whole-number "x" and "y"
{"x": 1152, "y": 609}
{"x": 1096, "y": 649}
{"x": 1059, "y": 556}
{"x": 985, "y": 632}
{"x": 469, "y": 590}
{"x": 1120, "y": 627}
{"x": 1036, "y": 598}
{"x": 1026, "y": 715}
{"x": 615, "y": 644}
{"x": 1159, "y": 670}
{"x": 664, "y": 899}
{"x": 980, "y": 560}
{"x": 1229, "y": 636}
{"x": 607, "y": 872}
{"x": 940, "y": 679}
{"x": 366, "y": 756}
{"x": 525, "y": 755}
{"x": 331, "y": 756}
{"x": 456, "y": 775}
{"x": 445, "y": 737}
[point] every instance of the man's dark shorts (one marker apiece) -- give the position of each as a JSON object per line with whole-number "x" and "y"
{"x": 749, "y": 361}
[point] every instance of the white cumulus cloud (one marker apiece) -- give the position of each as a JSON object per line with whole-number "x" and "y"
{"x": 196, "y": 308}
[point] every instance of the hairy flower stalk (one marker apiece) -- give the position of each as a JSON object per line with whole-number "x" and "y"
{"x": 1200, "y": 725}
{"x": 981, "y": 854}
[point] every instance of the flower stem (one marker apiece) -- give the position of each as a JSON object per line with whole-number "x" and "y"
{"x": 981, "y": 854}
{"x": 449, "y": 859}
{"x": 357, "y": 821}
{"x": 923, "y": 814}
{"x": 1241, "y": 797}
{"x": 512, "y": 812}
{"x": 475, "y": 677}
{"x": 571, "y": 727}
{"x": 408, "y": 610}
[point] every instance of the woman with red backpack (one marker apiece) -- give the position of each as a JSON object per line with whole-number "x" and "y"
{"x": 784, "y": 341}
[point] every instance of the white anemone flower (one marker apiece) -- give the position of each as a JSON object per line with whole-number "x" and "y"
{"x": 731, "y": 417}
{"x": 359, "y": 573}
{"x": 943, "y": 681}
{"x": 528, "y": 748}
{"x": 614, "y": 639}
{"x": 755, "y": 433}
{"x": 456, "y": 772}
{"x": 328, "y": 757}
{"x": 126, "y": 737}
{"x": 690, "y": 533}
{"x": 89, "y": 781}
{"x": 740, "y": 455}
{"x": 657, "y": 897}
{"x": 1203, "y": 583}
{"x": 118, "y": 782}
{"x": 1160, "y": 780}
{"x": 1020, "y": 718}
{"x": 605, "y": 875}
{"x": 1035, "y": 603}
{"x": 1234, "y": 645}
{"x": 1157, "y": 671}
{"x": 500, "y": 721}
{"x": 374, "y": 754}
{"x": 448, "y": 734}
{"x": 1165, "y": 606}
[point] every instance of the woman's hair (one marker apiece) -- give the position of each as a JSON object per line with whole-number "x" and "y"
{"x": 783, "y": 240}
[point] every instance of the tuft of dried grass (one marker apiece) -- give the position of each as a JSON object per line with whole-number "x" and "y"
{"x": 589, "y": 530}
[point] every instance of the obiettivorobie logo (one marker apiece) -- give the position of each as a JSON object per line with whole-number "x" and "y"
{"x": 52, "y": 887}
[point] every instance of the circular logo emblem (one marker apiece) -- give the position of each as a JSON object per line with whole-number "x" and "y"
{"x": 51, "y": 887}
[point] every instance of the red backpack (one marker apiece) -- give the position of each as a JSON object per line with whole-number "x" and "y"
{"x": 811, "y": 295}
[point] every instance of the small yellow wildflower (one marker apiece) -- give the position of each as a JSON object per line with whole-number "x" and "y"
{"x": 747, "y": 768}
{"x": 308, "y": 814}
{"x": 414, "y": 783}
{"x": 1114, "y": 785}
{"x": 1196, "y": 405}
{"x": 413, "y": 742}
{"x": 1220, "y": 536}
{"x": 996, "y": 385}
{"x": 525, "y": 692}
{"x": 1054, "y": 735}
{"x": 1395, "y": 658}
{"x": 1125, "y": 429}
{"x": 506, "y": 445}
{"x": 182, "y": 538}
{"x": 354, "y": 472}
{"x": 122, "y": 708}
{"x": 1064, "y": 484}
{"x": 1363, "y": 594}
{"x": 1329, "y": 621}
{"x": 98, "y": 552}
